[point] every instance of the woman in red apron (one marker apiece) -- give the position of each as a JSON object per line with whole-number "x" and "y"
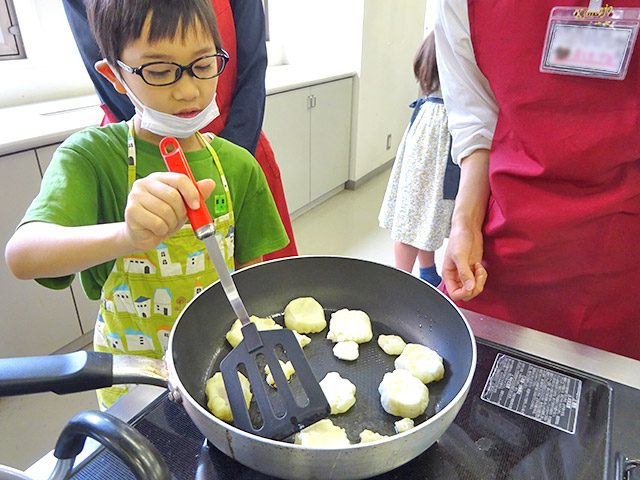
{"x": 558, "y": 238}
{"x": 240, "y": 94}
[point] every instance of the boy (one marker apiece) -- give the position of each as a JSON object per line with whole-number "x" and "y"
{"x": 109, "y": 209}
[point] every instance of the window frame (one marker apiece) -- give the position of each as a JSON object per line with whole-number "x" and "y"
{"x": 11, "y": 45}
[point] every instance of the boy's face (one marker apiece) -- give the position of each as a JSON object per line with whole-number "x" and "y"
{"x": 189, "y": 95}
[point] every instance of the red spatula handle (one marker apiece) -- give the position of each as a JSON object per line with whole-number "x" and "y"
{"x": 177, "y": 163}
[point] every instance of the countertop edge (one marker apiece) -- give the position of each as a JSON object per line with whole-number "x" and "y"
{"x": 46, "y": 123}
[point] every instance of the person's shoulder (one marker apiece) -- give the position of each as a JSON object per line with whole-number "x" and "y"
{"x": 229, "y": 151}
{"x": 112, "y": 135}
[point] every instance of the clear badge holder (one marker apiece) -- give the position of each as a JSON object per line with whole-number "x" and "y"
{"x": 590, "y": 42}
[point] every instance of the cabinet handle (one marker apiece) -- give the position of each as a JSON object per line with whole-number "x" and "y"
{"x": 311, "y": 101}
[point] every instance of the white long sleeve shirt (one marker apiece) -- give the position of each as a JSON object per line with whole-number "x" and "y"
{"x": 471, "y": 106}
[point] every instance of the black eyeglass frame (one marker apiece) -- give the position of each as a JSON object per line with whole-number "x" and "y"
{"x": 181, "y": 68}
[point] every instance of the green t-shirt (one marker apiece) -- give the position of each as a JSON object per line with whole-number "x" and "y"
{"x": 87, "y": 184}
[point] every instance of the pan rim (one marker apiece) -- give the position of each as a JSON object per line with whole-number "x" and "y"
{"x": 455, "y": 401}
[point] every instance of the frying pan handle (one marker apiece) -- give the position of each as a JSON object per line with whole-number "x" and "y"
{"x": 138, "y": 453}
{"x": 77, "y": 372}
{"x": 69, "y": 373}
{"x": 177, "y": 163}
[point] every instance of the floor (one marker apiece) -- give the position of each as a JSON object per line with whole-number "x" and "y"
{"x": 346, "y": 225}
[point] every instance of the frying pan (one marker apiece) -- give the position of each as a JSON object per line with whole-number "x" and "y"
{"x": 396, "y": 302}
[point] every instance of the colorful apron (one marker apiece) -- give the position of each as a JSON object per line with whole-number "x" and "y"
{"x": 145, "y": 292}
{"x": 562, "y": 228}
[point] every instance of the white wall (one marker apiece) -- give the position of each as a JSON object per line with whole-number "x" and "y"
{"x": 391, "y": 35}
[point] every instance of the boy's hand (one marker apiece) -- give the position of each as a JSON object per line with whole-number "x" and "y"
{"x": 156, "y": 207}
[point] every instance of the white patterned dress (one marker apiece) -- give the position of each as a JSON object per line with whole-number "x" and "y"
{"x": 413, "y": 207}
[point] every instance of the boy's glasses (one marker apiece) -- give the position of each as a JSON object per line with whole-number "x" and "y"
{"x": 160, "y": 74}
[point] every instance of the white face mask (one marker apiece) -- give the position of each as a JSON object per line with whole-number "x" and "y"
{"x": 165, "y": 124}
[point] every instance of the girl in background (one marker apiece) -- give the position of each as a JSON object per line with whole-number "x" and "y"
{"x": 419, "y": 199}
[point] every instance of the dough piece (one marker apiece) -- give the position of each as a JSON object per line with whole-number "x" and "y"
{"x": 353, "y": 325}
{"x": 340, "y": 392}
{"x": 322, "y": 434}
{"x": 218, "y": 402}
{"x": 402, "y": 394}
{"x": 287, "y": 369}
{"x": 404, "y": 425}
{"x": 346, "y": 350}
{"x": 422, "y": 362}
{"x": 367, "y": 436}
{"x": 303, "y": 340}
{"x": 391, "y": 344}
{"x": 304, "y": 315}
{"x": 234, "y": 335}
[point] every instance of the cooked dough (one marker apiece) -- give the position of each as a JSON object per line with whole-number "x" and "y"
{"x": 234, "y": 335}
{"x": 391, "y": 344}
{"x": 404, "y": 425}
{"x": 322, "y": 434}
{"x": 402, "y": 394}
{"x": 346, "y": 350}
{"x": 353, "y": 325}
{"x": 340, "y": 392}
{"x": 304, "y": 315}
{"x": 287, "y": 369}
{"x": 303, "y": 340}
{"x": 218, "y": 402}
{"x": 422, "y": 362}
{"x": 367, "y": 436}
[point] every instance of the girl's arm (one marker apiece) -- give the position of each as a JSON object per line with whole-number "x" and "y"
{"x": 463, "y": 274}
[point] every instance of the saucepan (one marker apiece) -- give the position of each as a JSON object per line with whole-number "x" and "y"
{"x": 397, "y": 303}
{"x": 138, "y": 453}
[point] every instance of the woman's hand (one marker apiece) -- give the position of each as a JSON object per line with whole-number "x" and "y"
{"x": 156, "y": 207}
{"x": 462, "y": 270}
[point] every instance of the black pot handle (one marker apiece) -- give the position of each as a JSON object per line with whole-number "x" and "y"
{"x": 78, "y": 372}
{"x": 135, "y": 450}
{"x": 69, "y": 373}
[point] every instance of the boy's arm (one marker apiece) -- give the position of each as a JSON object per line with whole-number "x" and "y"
{"x": 254, "y": 261}
{"x": 155, "y": 210}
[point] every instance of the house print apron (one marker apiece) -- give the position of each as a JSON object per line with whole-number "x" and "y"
{"x": 144, "y": 293}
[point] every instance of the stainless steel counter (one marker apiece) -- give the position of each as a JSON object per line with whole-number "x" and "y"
{"x": 580, "y": 357}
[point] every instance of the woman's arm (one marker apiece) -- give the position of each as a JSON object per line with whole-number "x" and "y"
{"x": 463, "y": 274}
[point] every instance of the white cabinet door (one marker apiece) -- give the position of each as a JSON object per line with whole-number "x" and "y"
{"x": 34, "y": 320}
{"x": 87, "y": 309}
{"x": 330, "y": 136}
{"x": 286, "y": 125}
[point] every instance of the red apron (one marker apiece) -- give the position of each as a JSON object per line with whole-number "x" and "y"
{"x": 224, "y": 96}
{"x": 562, "y": 231}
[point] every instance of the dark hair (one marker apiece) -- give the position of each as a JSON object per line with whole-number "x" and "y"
{"x": 425, "y": 67}
{"x": 117, "y": 23}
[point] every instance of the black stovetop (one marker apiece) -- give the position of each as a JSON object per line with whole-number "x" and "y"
{"x": 486, "y": 441}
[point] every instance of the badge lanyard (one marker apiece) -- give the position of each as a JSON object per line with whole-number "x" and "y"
{"x": 131, "y": 162}
{"x": 595, "y": 41}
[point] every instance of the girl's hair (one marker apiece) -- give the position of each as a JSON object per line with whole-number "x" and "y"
{"x": 425, "y": 67}
{"x": 117, "y": 23}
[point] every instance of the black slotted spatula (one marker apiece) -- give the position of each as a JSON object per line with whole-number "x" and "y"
{"x": 279, "y": 420}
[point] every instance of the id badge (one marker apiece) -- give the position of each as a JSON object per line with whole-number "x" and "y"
{"x": 586, "y": 43}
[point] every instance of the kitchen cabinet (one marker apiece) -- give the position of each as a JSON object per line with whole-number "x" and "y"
{"x": 35, "y": 320}
{"x": 87, "y": 310}
{"x": 310, "y": 131}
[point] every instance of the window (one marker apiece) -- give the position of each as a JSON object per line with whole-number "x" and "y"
{"x": 11, "y": 46}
